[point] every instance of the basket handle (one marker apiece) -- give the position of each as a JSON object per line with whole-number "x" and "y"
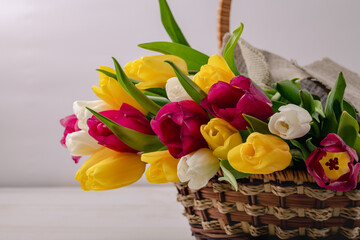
{"x": 223, "y": 20}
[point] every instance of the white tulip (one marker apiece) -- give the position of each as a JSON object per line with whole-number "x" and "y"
{"x": 80, "y": 143}
{"x": 175, "y": 90}
{"x": 82, "y": 114}
{"x": 197, "y": 168}
{"x": 291, "y": 122}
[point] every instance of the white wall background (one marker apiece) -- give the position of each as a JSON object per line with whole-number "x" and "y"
{"x": 49, "y": 51}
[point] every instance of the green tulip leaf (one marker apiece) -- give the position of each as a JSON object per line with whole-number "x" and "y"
{"x": 296, "y": 155}
{"x": 193, "y": 58}
{"x": 150, "y": 91}
{"x": 161, "y": 101}
{"x": 310, "y": 145}
{"x": 315, "y": 129}
{"x": 113, "y": 75}
{"x": 319, "y": 109}
{"x": 276, "y": 96}
{"x": 270, "y": 92}
{"x": 257, "y": 125}
{"x": 334, "y": 101}
{"x": 157, "y": 92}
{"x": 133, "y": 91}
{"x": 190, "y": 87}
{"x": 334, "y": 106}
{"x": 170, "y": 24}
{"x": 301, "y": 147}
{"x": 230, "y": 174}
{"x": 348, "y": 129}
{"x": 244, "y": 134}
{"x": 134, "y": 139}
{"x": 289, "y": 91}
{"x": 330, "y": 124}
{"x": 249, "y": 129}
{"x": 276, "y": 105}
{"x": 307, "y": 101}
{"x": 357, "y": 145}
{"x": 296, "y": 82}
{"x": 234, "y": 172}
{"x": 350, "y": 109}
{"x": 230, "y": 47}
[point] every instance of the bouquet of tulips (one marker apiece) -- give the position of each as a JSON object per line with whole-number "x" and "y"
{"x": 191, "y": 117}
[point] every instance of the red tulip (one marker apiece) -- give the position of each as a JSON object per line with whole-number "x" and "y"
{"x": 177, "y": 125}
{"x": 127, "y": 116}
{"x": 241, "y": 96}
{"x": 335, "y": 165}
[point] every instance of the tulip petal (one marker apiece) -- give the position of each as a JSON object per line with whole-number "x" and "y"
{"x": 108, "y": 169}
{"x": 81, "y": 144}
{"x": 334, "y": 144}
{"x": 260, "y": 154}
{"x": 198, "y": 167}
{"x": 163, "y": 167}
{"x": 177, "y": 125}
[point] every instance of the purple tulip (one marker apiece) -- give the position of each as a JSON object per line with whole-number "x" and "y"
{"x": 177, "y": 125}
{"x": 71, "y": 125}
{"x": 241, "y": 96}
{"x": 128, "y": 117}
{"x": 334, "y": 166}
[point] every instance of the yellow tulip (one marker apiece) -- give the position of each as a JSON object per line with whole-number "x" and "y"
{"x": 108, "y": 169}
{"x": 216, "y": 70}
{"x": 163, "y": 167}
{"x": 260, "y": 154}
{"x": 221, "y": 136}
{"x": 112, "y": 93}
{"x": 152, "y": 71}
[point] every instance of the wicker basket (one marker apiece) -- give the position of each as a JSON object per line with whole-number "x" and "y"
{"x": 282, "y": 205}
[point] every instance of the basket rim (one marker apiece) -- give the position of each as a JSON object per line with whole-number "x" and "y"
{"x": 298, "y": 176}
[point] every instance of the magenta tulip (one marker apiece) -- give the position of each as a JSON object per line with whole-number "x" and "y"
{"x": 128, "y": 117}
{"x": 177, "y": 125}
{"x": 241, "y": 96}
{"x": 71, "y": 125}
{"x": 335, "y": 165}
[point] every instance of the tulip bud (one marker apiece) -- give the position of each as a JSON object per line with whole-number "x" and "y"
{"x": 177, "y": 125}
{"x": 108, "y": 169}
{"x": 79, "y": 108}
{"x": 291, "y": 122}
{"x": 221, "y": 136}
{"x": 231, "y": 101}
{"x": 214, "y": 71}
{"x": 81, "y": 143}
{"x": 153, "y": 71}
{"x": 175, "y": 91}
{"x": 113, "y": 93}
{"x": 163, "y": 167}
{"x": 128, "y": 117}
{"x": 198, "y": 168}
{"x": 335, "y": 165}
{"x": 260, "y": 154}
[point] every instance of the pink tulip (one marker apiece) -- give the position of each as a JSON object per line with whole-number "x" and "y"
{"x": 128, "y": 117}
{"x": 177, "y": 125}
{"x": 241, "y": 96}
{"x": 71, "y": 125}
{"x": 334, "y": 166}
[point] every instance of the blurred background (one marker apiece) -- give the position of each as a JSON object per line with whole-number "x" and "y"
{"x": 50, "y": 50}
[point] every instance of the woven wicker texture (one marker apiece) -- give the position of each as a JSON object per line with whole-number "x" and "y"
{"x": 270, "y": 210}
{"x": 223, "y": 20}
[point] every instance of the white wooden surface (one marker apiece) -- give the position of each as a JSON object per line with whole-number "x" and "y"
{"x": 138, "y": 212}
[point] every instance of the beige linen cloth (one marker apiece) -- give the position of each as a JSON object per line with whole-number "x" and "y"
{"x": 319, "y": 77}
